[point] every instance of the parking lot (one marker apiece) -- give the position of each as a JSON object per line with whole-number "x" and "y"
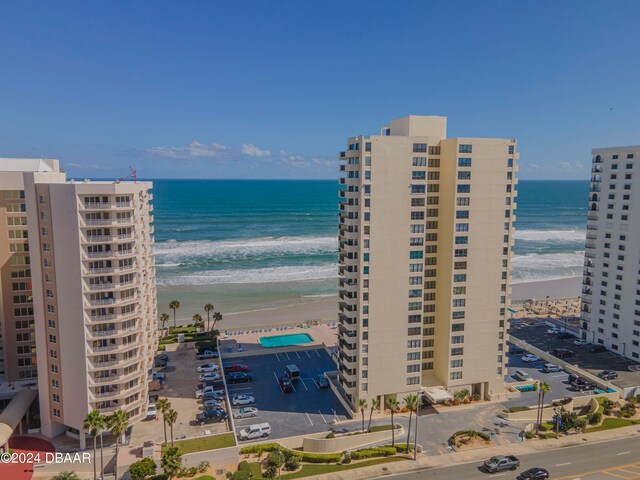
{"x": 592, "y": 362}
{"x": 307, "y": 409}
{"x": 179, "y": 387}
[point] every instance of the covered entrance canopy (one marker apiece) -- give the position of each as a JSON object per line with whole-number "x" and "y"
{"x": 13, "y": 413}
{"x": 437, "y": 394}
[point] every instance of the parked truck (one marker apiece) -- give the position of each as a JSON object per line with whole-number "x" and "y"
{"x": 500, "y": 463}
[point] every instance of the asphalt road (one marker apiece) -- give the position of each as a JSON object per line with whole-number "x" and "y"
{"x": 599, "y": 461}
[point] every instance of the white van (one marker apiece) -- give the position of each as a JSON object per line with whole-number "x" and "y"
{"x": 255, "y": 431}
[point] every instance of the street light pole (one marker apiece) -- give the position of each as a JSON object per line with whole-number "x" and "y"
{"x": 415, "y": 437}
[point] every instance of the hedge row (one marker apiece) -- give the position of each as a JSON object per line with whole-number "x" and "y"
{"x": 259, "y": 449}
{"x": 373, "y": 452}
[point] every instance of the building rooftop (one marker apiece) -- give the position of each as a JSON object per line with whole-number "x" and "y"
{"x": 29, "y": 165}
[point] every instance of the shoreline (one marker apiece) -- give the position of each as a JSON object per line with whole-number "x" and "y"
{"x": 302, "y": 309}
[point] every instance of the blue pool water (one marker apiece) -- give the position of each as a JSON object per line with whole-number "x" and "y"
{"x": 286, "y": 340}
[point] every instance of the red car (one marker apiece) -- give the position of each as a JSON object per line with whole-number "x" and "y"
{"x": 285, "y": 384}
{"x": 236, "y": 368}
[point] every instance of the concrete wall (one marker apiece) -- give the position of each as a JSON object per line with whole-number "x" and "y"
{"x": 317, "y": 443}
{"x": 548, "y": 411}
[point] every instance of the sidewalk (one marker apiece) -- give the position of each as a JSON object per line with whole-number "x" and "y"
{"x": 481, "y": 454}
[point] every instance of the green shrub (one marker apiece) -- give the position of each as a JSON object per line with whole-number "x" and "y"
{"x": 292, "y": 463}
{"x": 594, "y": 418}
{"x": 374, "y": 452}
{"x": 381, "y": 428}
{"x": 259, "y": 449}
{"x": 346, "y": 458}
{"x": 528, "y": 435}
{"x": 270, "y": 472}
{"x": 320, "y": 457}
{"x": 275, "y": 459}
{"x": 331, "y": 435}
{"x": 142, "y": 469}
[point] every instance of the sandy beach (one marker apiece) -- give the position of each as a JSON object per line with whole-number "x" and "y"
{"x": 297, "y": 310}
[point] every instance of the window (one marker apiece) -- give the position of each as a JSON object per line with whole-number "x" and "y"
{"x": 463, "y": 201}
{"x": 412, "y": 331}
{"x": 511, "y": 149}
{"x": 413, "y": 356}
{"x": 455, "y": 376}
{"x": 417, "y": 228}
{"x": 464, "y": 162}
{"x": 457, "y": 327}
{"x": 419, "y": 161}
{"x": 464, "y": 148}
{"x": 456, "y": 352}
{"x": 434, "y": 162}
{"x": 458, "y": 302}
{"x": 460, "y": 252}
{"x": 460, "y": 277}
{"x": 464, "y": 175}
{"x": 415, "y": 254}
{"x": 464, "y": 188}
{"x": 461, "y": 240}
{"x": 459, "y": 290}
{"x": 414, "y": 319}
{"x": 457, "y": 315}
{"x": 415, "y": 293}
{"x": 462, "y": 214}
{"x": 420, "y": 148}
{"x": 456, "y": 363}
{"x": 413, "y": 380}
{"x": 413, "y": 368}
{"x": 456, "y": 339}
{"x": 418, "y": 175}
{"x": 510, "y": 162}
{"x": 415, "y": 267}
{"x": 416, "y": 189}
{"x": 462, "y": 227}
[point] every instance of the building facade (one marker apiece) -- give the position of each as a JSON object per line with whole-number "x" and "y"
{"x": 611, "y": 281}
{"x": 93, "y": 296}
{"x": 425, "y": 246}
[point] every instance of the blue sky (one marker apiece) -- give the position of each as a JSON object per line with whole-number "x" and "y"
{"x": 268, "y": 89}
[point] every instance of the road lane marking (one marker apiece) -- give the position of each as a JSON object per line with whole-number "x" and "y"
{"x": 623, "y": 453}
{"x": 317, "y": 353}
{"x": 563, "y": 464}
{"x": 304, "y": 384}
{"x": 308, "y": 418}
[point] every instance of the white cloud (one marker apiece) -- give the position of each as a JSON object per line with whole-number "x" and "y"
{"x": 194, "y": 150}
{"x": 86, "y": 167}
{"x": 293, "y": 159}
{"x": 253, "y": 151}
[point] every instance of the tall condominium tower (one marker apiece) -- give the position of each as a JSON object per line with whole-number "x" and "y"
{"x": 93, "y": 293}
{"x": 425, "y": 248}
{"x": 611, "y": 281}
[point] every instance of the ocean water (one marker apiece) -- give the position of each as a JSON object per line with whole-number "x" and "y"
{"x": 264, "y": 243}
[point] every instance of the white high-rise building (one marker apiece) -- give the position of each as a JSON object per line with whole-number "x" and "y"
{"x": 425, "y": 250}
{"x": 611, "y": 281}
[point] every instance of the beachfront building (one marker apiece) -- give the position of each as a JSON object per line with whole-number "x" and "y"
{"x": 611, "y": 282}
{"x": 425, "y": 245}
{"x": 93, "y": 294}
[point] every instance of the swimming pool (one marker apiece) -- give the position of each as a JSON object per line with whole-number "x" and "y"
{"x": 285, "y": 340}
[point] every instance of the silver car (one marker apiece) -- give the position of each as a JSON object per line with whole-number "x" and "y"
{"x": 212, "y": 403}
{"x": 246, "y": 412}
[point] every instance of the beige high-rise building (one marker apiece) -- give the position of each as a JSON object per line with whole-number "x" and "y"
{"x": 94, "y": 296}
{"x": 425, "y": 248}
{"x": 611, "y": 280}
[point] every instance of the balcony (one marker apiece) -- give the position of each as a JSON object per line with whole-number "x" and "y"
{"x": 106, "y": 254}
{"x": 113, "y": 333}
{"x": 95, "y": 222}
{"x": 592, "y": 216}
{"x": 120, "y": 363}
{"x": 117, "y": 348}
{"x": 595, "y": 188}
{"x": 97, "y": 238}
{"x": 95, "y": 205}
{"x": 100, "y": 286}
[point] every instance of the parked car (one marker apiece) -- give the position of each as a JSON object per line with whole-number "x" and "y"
{"x": 162, "y": 356}
{"x": 160, "y": 363}
{"x": 235, "y": 368}
{"x": 239, "y": 377}
{"x": 207, "y": 367}
{"x": 554, "y": 331}
{"x": 217, "y": 384}
{"x": 597, "y": 348}
{"x": 242, "y": 400}
{"x": 500, "y": 463}
{"x": 246, "y": 412}
{"x": 213, "y": 403}
{"x": 215, "y": 395}
{"x": 322, "y": 382}
{"x": 515, "y": 350}
{"x": 159, "y": 376}
{"x": 209, "y": 376}
{"x": 551, "y": 368}
{"x": 255, "y": 431}
{"x": 208, "y": 390}
{"x": 534, "y": 474}
{"x": 608, "y": 375}
{"x": 529, "y": 358}
{"x": 580, "y": 342}
{"x": 285, "y": 384}
{"x": 152, "y": 411}
{"x": 563, "y": 353}
{"x": 566, "y": 335}
{"x": 574, "y": 377}
{"x": 582, "y": 385}
{"x": 206, "y": 354}
{"x": 211, "y": 416}
{"x": 522, "y": 375}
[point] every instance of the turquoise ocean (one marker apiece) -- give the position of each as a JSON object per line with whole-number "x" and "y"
{"x": 251, "y": 244}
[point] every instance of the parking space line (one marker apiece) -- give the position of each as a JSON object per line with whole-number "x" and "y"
{"x": 277, "y": 357}
{"x": 307, "y": 354}
{"x": 287, "y": 354}
{"x": 299, "y": 358}
{"x": 304, "y": 384}
{"x": 323, "y": 419}
{"x": 317, "y": 353}
{"x": 308, "y": 418}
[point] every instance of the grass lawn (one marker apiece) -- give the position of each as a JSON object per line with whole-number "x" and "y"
{"x": 310, "y": 469}
{"x": 204, "y": 443}
{"x": 608, "y": 423}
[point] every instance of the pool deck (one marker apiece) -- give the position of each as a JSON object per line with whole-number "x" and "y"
{"x": 322, "y": 334}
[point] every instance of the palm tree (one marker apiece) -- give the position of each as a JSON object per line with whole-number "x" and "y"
{"x": 172, "y": 417}
{"x": 164, "y": 406}
{"x": 543, "y": 388}
{"x": 375, "y": 405}
{"x": 171, "y": 462}
{"x": 411, "y": 401}
{"x": 94, "y": 422}
{"x": 174, "y": 305}
{"x": 118, "y": 424}
{"x": 363, "y": 406}
{"x": 197, "y": 320}
{"x": 216, "y": 318}
{"x": 392, "y": 403}
{"x": 164, "y": 318}
{"x": 208, "y": 308}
